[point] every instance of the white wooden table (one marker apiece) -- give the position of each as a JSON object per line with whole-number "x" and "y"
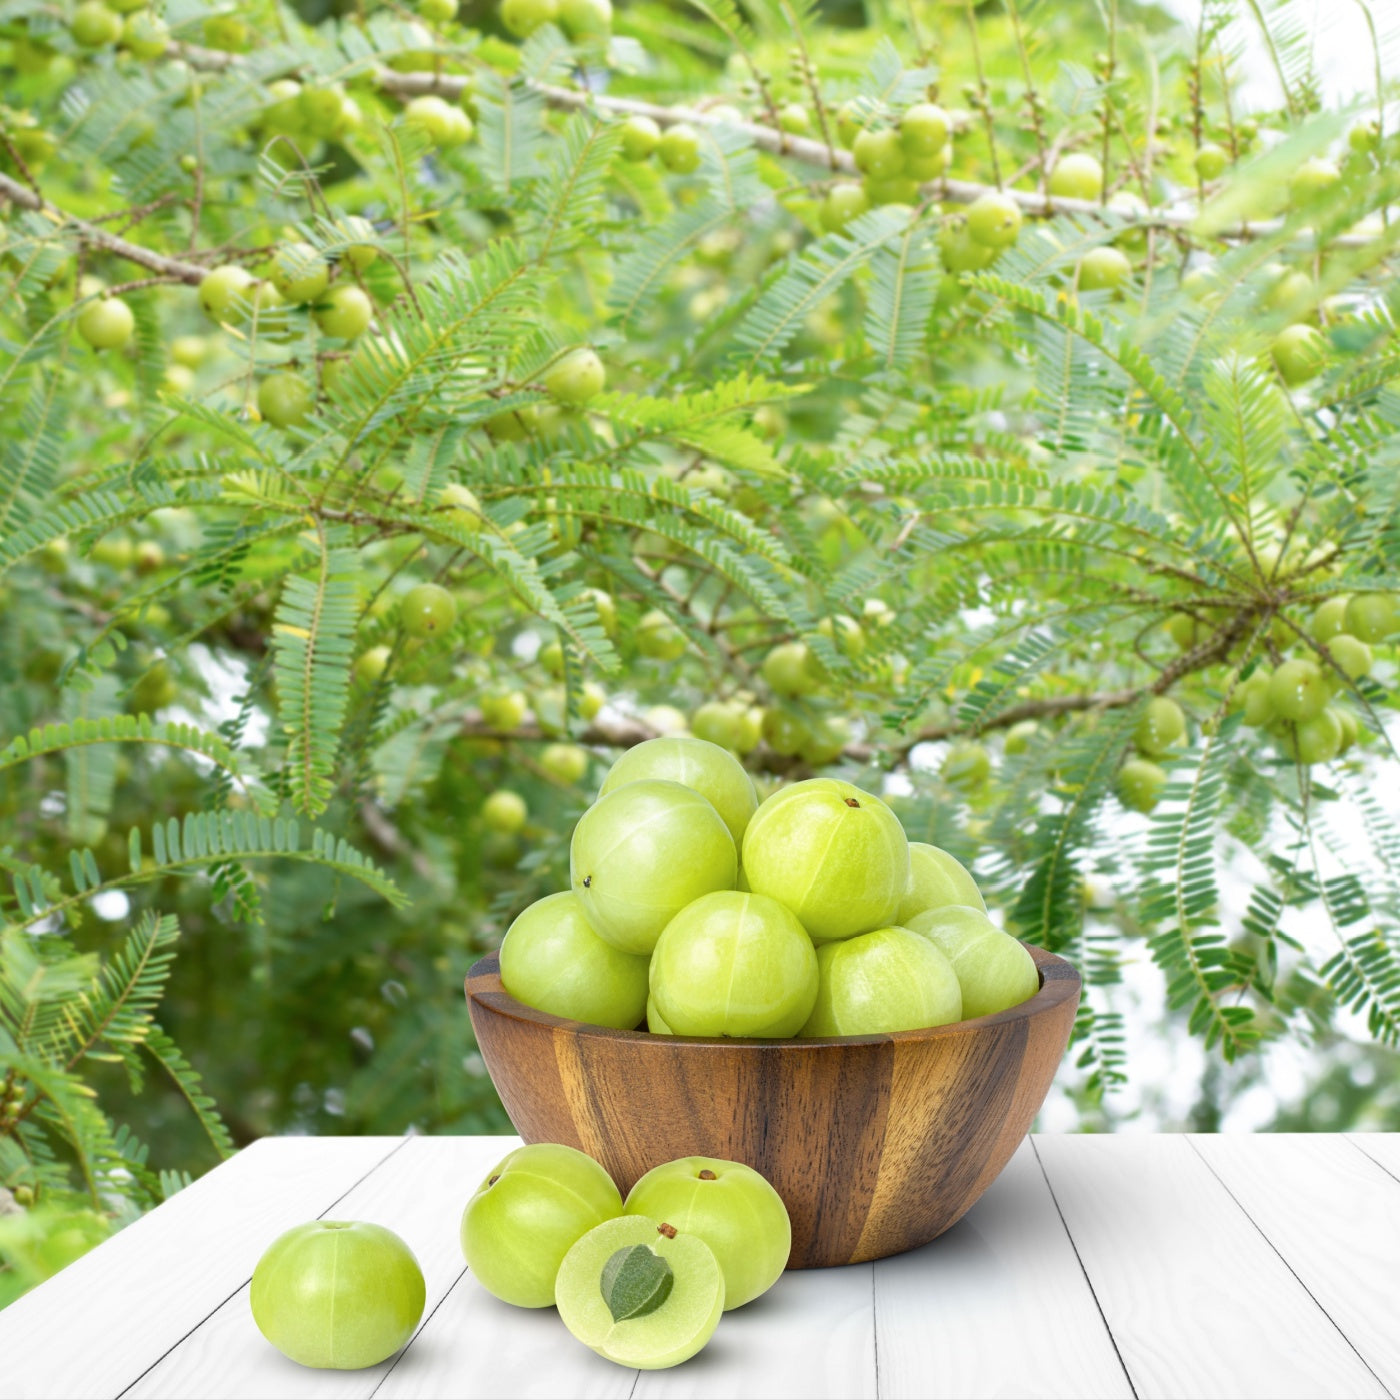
{"x": 1095, "y": 1266}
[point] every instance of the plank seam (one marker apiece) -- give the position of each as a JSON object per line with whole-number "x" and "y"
{"x": 1282, "y": 1260}
{"x": 418, "y": 1331}
{"x": 875, "y": 1331}
{"x": 1376, "y": 1160}
{"x": 180, "y": 1341}
{"x": 1089, "y": 1282}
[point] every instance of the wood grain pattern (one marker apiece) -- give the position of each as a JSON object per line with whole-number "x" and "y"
{"x": 876, "y": 1143}
{"x": 998, "y": 1306}
{"x": 94, "y": 1328}
{"x": 1333, "y": 1215}
{"x": 1198, "y": 1300}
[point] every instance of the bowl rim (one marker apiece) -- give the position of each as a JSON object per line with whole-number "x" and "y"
{"x": 1059, "y": 983}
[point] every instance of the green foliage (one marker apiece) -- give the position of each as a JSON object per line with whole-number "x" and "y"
{"x": 1037, "y": 504}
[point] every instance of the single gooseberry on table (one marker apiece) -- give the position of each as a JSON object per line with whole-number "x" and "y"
{"x": 338, "y": 1294}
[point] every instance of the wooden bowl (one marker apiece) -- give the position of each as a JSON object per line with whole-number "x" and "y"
{"x": 877, "y": 1143}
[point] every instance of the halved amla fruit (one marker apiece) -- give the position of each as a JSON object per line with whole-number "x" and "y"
{"x": 640, "y": 1293}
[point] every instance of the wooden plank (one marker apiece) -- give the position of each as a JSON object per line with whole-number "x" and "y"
{"x": 998, "y": 1306}
{"x": 1381, "y": 1148}
{"x": 812, "y": 1334}
{"x": 1333, "y": 1215}
{"x": 418, "y": 1193}
{"x": 92, "y": 1329}
{"x": 1198, "y": 1302}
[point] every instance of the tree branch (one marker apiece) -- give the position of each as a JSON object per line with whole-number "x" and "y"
{"x": 172, "y": 269}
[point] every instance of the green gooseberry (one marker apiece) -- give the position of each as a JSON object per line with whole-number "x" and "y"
{"x": 1317, "y": 739}
{"x": 505, "y": 812}
{"x": 642, "y": 853}
{"x": 734, "y": 964}
{"x": 523, "y": 17}
{"x": 1297, "y": 690}
{"x": 1211, "y": 161}
{"x": 428, "y": 610}
{"x": 658, "y": 637}
{"x": 94, "y": 25}
{"x": 679, "y": 150}
{"x": 1330, "y": 618}
{"x": 791, "y": 670}
{"x": 284, "y": 399}
{"x": 843, "y": 202}
{"x": 1351, "y": 654}
{"x": 993, "y": 970}
{"x": 889, "y": 979}
{"x": 106, "y": 324}
{"x": 532, "y": 1207}
{"x": 693, "y": 762}
{"x": 221, "y": 289}
{"x": 729, "y": 1206}
{"x": 337, "y": 1294}
{"x": 1104, "y": 269}
{"x": 1299, "y": 352}
{"x": 935, "y": 879}
{"x": 1372, "y": 617}
{"x": 924, "y": 129}
{"x": 994, "y": 220}
{"x": 1161, "y": 725}
{"x": 566, "y": 762}
{"x": 1077, "y": 175}
{"x": 836, "y": 856}
{"x": 1139, "y": 784}
{"x": 879, "y": 154}
{"x": 966, "y": 765}
{"x": 553, "y": 959}
{"x": 576, "y": 377}
{"x": 640, "y": 137}
{"x": 344, "y": 312}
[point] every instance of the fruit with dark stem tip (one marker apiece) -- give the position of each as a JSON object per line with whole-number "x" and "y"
{"x": 994, "y": 220}
{"x": 528, "y": 1212}
{"x": 643, "y": 852}
{"x": 428, "y": 610}
{"x": 610, "y": 1297}
{"x": 835, "y": 855}
{"x": 730, "y": 1206}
